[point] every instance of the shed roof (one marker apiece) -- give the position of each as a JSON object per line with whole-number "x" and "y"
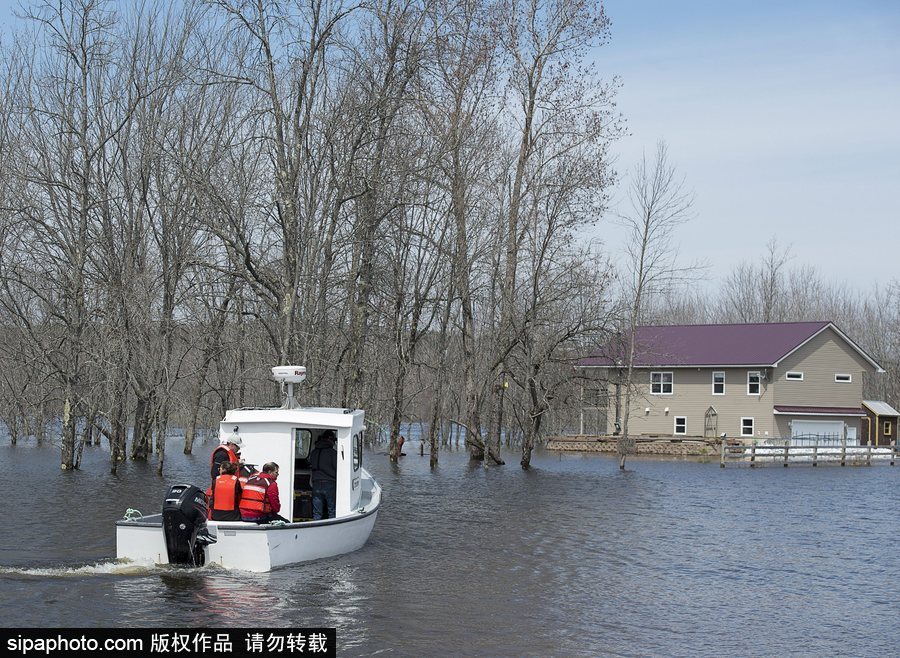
{"x": 757, "y": 344}
{"x": 880, "y": 408}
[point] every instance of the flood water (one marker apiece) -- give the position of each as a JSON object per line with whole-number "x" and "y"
{"x": 575, "y": 558}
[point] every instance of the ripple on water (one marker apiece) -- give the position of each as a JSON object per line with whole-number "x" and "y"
{"x": 574, "y": 558}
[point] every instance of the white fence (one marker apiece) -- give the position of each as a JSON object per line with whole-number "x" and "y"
{"x": 769, "y": 454}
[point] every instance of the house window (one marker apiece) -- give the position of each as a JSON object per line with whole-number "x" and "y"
{"x": 887, "y": 427}
{"x": 794, "y": 376}
{"x": 680, "y": 424}
{"x": 718, "y": 383}
{"x": 843, "y": 379}
{"x": 747, "y": 427}
{"x": 595, "y": 397}
{"x": 661, "y": 383}
{"x": 753, "y": 382}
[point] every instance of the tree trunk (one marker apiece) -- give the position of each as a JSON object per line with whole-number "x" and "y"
{"x": 143, "y": 428}
{"x": 79, "y": 450}
{"x": 196, "y": 397}
{"x": 41, "y": 429}
{"x": 118, "y": 422}
{"x": 396, "y": 413}
{"x": 13, "y": 427}
{"x": 162, "y": 426}
{"x": 68, "y": 432}
{"x": 438, "y": 386}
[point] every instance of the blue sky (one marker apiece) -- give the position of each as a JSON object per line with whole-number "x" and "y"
{"x": 783, "y": 117}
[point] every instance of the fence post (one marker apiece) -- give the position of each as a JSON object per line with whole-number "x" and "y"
{"x": 722, "y": 457}
{"x": 893, "y": 452}
{"x": 844, "y": 449}
{"x": 786, "y": 442}
{"x": 869, "y": 455}
{"x": 753, "y": 454}
{"x": 816, "y": 453}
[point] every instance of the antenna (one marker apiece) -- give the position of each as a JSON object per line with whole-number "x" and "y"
{"x": 289, "y": 375}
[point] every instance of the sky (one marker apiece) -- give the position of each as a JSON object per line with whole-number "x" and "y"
{"x": 783, "y": 118}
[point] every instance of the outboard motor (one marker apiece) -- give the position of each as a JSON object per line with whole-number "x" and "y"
{"x": 184, "y": 525}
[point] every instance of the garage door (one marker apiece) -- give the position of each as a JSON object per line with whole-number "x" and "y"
{"x": 832, "y": 430}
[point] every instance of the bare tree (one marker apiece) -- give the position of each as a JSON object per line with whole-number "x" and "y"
{"x": 61, "y": 180}
{"x": 458, "y": 103}
{"x": 567, "y": 307}
{"x": 418, "y": 265}
{"x": 561, "y": 110}
{"x": 755, "y": 290}
{"x": 659, "y": 205}
{"x": 281, "y": 60}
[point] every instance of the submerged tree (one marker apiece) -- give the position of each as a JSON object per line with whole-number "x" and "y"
{"x": 557, "y": 171}
{"x": 658, "y": 206}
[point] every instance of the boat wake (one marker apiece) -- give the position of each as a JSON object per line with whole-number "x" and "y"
{"x": 110, "y": 568}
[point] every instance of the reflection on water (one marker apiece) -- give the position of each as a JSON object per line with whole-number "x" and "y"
{"x": 572, "y": 559}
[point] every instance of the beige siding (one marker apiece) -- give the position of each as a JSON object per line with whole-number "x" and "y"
{"x": 819, "y": 360}
{"x": 692, "y": 396}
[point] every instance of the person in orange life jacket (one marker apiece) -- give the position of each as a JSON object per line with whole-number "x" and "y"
{"x": 245, "y": 471}
{"x": 228, "y": 451}
{"x": 323, "y": 460}
{"x": 226, "y": 495}
{"x": 260, "y": 502}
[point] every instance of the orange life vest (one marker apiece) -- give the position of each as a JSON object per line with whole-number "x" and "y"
{"x": 224, "y": 493}
{"x": 232, "y": 457}
{"x": 254, "y": 502}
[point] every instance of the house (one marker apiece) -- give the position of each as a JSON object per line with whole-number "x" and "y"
{"x": 797, "y": 380}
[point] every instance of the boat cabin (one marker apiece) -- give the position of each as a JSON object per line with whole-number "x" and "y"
{"x": 286, "y": 437}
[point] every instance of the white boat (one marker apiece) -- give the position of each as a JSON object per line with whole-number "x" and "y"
{"x": 285, "y": 435}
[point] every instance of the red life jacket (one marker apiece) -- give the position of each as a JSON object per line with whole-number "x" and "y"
{"x": 225, "y": 493}
{"x": 232, "y": 457}
{"x": 254, "y": 501}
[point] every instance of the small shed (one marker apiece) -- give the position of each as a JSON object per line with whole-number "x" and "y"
{"x": 880, "y": 423}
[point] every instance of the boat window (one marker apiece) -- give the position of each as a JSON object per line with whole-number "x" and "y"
{"x": 357, "y": 451}
{"x": 302, "y": 442}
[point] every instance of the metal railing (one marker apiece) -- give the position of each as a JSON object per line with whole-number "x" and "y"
{"x": 821, "y": 439}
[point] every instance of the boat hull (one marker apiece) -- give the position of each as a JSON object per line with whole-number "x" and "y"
{"x": 254, "y": 547}
{"x": 263, "y": 548}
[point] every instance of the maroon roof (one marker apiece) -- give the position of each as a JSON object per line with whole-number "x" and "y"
{"x": 710, "y": 344}
{"x": 820, "y": 411}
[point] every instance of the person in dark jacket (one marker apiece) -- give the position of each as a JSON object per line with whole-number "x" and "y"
{"x": 323, "y": 460}
{"x": 227, "y": 451}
